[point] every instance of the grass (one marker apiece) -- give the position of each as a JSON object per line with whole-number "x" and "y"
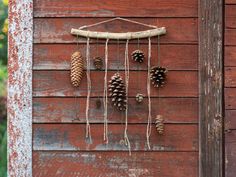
{"x": 3, "y": 149}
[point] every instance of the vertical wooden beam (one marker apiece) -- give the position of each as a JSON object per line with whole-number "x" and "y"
{"x": 20, "y": 88}
{"x": 210, "y": 83}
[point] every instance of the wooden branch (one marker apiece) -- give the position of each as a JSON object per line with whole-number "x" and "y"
{"x": 121, "y": 36}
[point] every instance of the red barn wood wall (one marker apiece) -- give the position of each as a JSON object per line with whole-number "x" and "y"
{"x": 59, "y": 145}
{"x": 230, "y": 88}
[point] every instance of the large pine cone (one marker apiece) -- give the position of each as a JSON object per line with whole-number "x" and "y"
{"x": 77, "y": 67}
{"x": 159, "y": 124}
{"x": 158, "y": 76}
{"x": 138, "y": 56}
{"x": 118, "y": 92}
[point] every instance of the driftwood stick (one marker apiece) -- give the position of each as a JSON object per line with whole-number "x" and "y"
{"x": 120, "y": 36}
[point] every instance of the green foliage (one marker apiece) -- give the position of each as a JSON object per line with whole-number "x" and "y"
{"x": 3, "y": 149}
{"x": 3, "y": 31}
{"x": 3, "y": 78}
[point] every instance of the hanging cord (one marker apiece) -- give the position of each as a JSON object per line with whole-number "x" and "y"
{"x": 127, "y": 142}
{"x": 118, "y": 54}
{"x": 159, "y": 64}
{"x": 117, "y": 18}
{"x": 76, "y": 97}
{"x": 138, "y": 68}
{"x": 88, "y": 133}
{"x": 149, "y": 125}
{"x": 105, "y": 100}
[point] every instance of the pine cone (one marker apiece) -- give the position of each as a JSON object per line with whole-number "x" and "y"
{"x": 138, "y": 56}
{"x": 77, "y": 67}
{"x": 159, "y": 124}
{"x": 118, "y": 92}
{"x": 139, "y": 98}
{"x": 158, "y": 76}
{"x": 98, "y": 63}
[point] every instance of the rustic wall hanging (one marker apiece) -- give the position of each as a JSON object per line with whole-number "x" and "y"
{"x": 118, "y": 87}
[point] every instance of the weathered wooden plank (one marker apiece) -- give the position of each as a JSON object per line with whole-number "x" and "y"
{"x": 230, "y": 121}
{"x": 230, "y": 16}
{"x": 71, "y": 110}
{"x": 211, "y": 87}
{"x": 230, "y": 1}
{"x": 230, "y": 98}
{"x": 72, "y": 137}
{"x": 57, "y": 30}
{"x": 230, "y": 37}
{"x": 230, "y": 56}
{"x": 230, "y": 153}
{"x": 107, "y": 164}
{"x": 178, "y": 57}
{"x": 19, "y": 104}
{"x": 230, "y": 76}
{"x": 121, "y": 8}
{"x": 57, "y": 83}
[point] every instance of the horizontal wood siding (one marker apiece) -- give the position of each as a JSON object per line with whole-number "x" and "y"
{"x": 121, "y": 8}
{"x": 72, "y": 137}
{"x": 175, "y": 57}
{"x": 59, "y": 145}
{"x": 57, "y": 83}
{"x": 230, "y": 87}
{"x": 57, "y": 30}
{"x": 70, "y": 110}
{"x": 59, "y": 163}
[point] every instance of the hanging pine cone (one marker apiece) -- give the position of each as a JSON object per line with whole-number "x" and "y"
{"x": 98, "y": 63}
{"x": 118, "y": 92}
{"x": 77, "y": 67}
{"x": 158, "y": 76}
{"x": 138, "y": 56}
{"x": 159, "y": 124}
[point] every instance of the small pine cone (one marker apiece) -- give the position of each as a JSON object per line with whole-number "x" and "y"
{"x": 158, "y": 76}
{"x": 98, "y": 63}
{"x": 117, "y": 92}
{"x": 159, "y": 124}
{"x": 77, "y": 67}
{"x": 138, "y": 56}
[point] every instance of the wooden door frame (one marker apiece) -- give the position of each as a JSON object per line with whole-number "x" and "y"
{"x": 210, "y": 88}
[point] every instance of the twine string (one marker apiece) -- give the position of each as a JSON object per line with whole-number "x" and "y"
{"x": 105, "y": 99}
{"x": 88, "y": 132}
{"x": 127, "y": 142}
{"x": 118, "y": 18}
{"x": 148, "y": 132}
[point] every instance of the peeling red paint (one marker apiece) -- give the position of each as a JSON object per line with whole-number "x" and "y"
{"x": 20, "y": 88}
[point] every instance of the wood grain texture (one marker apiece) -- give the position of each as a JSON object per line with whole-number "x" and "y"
{"x": 211, "y": 87}
{"x": 107, "y": 164}
{"x": 121, "y": 8}
{"x": 230, "y": 1}
{"x": 230, "y": 121}
{"x": 230, "y": 98}
{"x": 19, "y": 101}
{"x": 230, "y": 16}
{"x": 71, "y": 110}
{"x": 230, "y": 153}
{"x": 230, "y": 36}
{"x": 72, "y": 137}
{"x": 57, "y": 30}
{"x": 230, "y": 76}
{"x": 57, "y": 83}
{"x": 57, "y": 57}
{"x": 230, "y": 56}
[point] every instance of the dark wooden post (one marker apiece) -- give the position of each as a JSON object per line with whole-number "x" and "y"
{"x": 211, "y": 89}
